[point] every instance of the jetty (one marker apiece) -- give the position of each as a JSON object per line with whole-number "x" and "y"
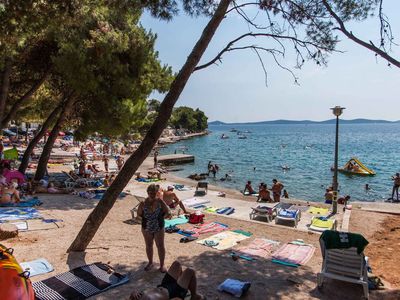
{"x": 175, "y": 159}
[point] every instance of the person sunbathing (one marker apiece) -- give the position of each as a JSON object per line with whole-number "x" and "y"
{"x": 52, "y": 189}
{"x": 264, "y": 194}
{"x": 172, "y": 200}
{"x": 175, "y": 285}
{"x": 248, "y": 188}
{"x": 9, "y": 194}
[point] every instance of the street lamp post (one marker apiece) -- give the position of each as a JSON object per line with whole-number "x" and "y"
{"x": 337, "y": 111}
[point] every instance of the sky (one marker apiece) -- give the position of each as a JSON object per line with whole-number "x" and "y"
{"x": 236, "y": 89}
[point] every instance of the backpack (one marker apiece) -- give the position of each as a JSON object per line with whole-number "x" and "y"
{"x": 196, "y": 218}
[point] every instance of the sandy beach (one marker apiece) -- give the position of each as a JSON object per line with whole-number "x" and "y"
{"x": 120, "y": 243}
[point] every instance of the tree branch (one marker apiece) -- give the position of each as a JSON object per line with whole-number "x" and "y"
{"x": 350, "y": 35}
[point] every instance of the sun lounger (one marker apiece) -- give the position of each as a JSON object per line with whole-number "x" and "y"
{"x": 263, "y": 211}
{"x": 202, "y": 188}
{"x": 343, "y": 258}
{"x": 77, "y": 181}
{"x": 322, "y": 223}
{"x": 288, "y": 215}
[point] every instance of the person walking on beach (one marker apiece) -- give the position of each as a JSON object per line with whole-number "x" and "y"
{"x": 120, "y": 162}
{"x": 276, "y": 190}
{"x": 155, "y": 158}
{"x": 396, "y": 185}
{"x": 153, "y": 211}
{"x": 105, "y": 160}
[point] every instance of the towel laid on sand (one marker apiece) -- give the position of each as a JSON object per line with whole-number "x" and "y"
{"x": 26, "y": 203}
{"x": 223, "y": 240}
{"x": 259, "y": 247}
{"x": 176, "y": 221}
{"x": 318, "y": 211}
{"x": 322, "y": 222}
{"x": 79, "y": 284}
{"x": 234, "y": 287}
{"x": 20, "y": 213}
{"x": 213, "y": 227}
{"x": 37, "y": 267}
{"x": 293, "y": 254}
{"x": 194, "y": 202}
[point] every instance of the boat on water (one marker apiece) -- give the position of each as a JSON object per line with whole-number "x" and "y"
{"x": 242, "y": 137}
{"x": 233, "y": 130}
{"x": 223, "y": 136}
{"x": 355, "y": 167}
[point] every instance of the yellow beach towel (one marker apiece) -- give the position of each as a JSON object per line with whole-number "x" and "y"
{"x": 318, "y": 211}
{"x": 211, "y": 209}
{"x": 316, "y": 222}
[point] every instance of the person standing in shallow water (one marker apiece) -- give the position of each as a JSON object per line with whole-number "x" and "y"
{"x": 396, "y": 185}
{"x": 276, "y": 190}
{"x": 153, "y": 211}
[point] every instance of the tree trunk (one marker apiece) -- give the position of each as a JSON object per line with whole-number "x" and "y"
{"x": 100, "y": 212}
{"x": 50, "y": 119}
{"x": 5, "y": 118}
{"x": 45, "y": 156}
{"x": 5, "y": 86}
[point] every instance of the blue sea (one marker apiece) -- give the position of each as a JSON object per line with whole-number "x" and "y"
{"x": 308, "y": 149}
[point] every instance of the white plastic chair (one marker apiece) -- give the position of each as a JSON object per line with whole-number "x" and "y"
{"x": 345, "y": 265}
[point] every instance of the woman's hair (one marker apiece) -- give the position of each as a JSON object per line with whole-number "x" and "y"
{"x": 153, "y": 188}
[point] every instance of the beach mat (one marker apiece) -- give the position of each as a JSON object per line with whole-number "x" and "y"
{"x": 37, "y": 267}
{"x": 176, "y": 221}
{"x": 318, "y": 211}
{"x": 293, "y": 254}
{"x": 258, "y": 248}
{"x": 213, "y": 227}
{"x": 20, "y": 213}
{"x": 78, "y": 284}
{"x": 27, "y": 203}
{"x": 194, "y": 202}
{"x": 223, "y": 240}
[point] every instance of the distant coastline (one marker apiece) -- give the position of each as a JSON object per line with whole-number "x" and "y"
{"x": 331, "y": 121}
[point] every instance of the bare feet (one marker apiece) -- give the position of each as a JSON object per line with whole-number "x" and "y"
{"x": 162, "y": 269}
{"x": 148, "y": 267}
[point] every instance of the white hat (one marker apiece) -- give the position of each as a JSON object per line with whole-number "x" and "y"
{"x": 170, "y": 187}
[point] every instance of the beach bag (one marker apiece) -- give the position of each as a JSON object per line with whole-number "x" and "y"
{"x": 196, "y": 218}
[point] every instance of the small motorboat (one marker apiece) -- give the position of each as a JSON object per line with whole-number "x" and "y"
{"x": 242, "y": 137}
{"x": 233, "y": 130}
{"x": 355, "y": 167}
{"x": 223, "y": 136}
{"x": 285, "y": 167}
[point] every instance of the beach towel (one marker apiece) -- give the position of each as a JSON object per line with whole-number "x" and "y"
{"x": 234, "y": 287}
{"x": 286, "y": 213}
{"x": 11, "y": 154}
{"x": 37, "y": 267}
{"x": 293, "y": 254}
{"x": 223, "y": 240}
{"x": 343, "y": 240}
{"x": 79, "y": 283}
{"x": 322, "y": 222}
{"x": 318, "y": 211}
{"x": 22, "y": 226}
{"x": 20, "y": 213}
{"x": 191, "y": 202}
{"x": 246, "y": 233}
{"x": 213, "y": 227}
{"x": 211, "y": 209}
{"x": 27, "y": 203}
{"x": 176, "y": 221}
{"x": 226, "y": 211}
{"x": 259, "y": 247}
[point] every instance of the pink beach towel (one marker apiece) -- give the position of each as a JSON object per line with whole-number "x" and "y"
{"x": 294, "y": 253}
{"x": 207, "y": 228}
{"x": 259, "y": 247}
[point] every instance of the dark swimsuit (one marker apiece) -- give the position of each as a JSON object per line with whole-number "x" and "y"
{"x": 153, "y": 221}
{"x": 174, "y": 289}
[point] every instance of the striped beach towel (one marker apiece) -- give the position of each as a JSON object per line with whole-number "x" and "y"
{"x": 78, "y": 284}
{"x": 293, "y": 254}
{"x": 258, "y": 248}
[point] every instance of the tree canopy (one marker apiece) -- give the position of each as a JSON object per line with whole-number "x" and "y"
{"x": 187, "y": 118}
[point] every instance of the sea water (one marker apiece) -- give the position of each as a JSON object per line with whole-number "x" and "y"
{"x": 307, "y": 149}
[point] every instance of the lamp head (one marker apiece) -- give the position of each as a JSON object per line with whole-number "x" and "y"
{"x": 337, "y": 110}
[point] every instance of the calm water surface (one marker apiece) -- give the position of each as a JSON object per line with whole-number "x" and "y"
{"x": 307, "y": 149}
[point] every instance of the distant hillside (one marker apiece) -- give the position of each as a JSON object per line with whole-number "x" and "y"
{"x": 331, "y": 121}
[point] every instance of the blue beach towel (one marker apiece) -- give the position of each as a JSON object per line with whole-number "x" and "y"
{"x": 37, "y": 267}
{"x": 235, "y": 287}
{"x": 27, "y": 203}
{"x": 20, "y": 213}
{"x": 288, "y": 213}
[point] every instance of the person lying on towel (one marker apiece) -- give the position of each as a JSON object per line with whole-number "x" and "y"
{"x": 175, "y": 285}
{"x": 170, "y": 198}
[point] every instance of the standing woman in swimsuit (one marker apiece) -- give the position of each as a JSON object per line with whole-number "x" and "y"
{"x": 153, "y": 211}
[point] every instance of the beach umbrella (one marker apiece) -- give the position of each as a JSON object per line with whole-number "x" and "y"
{"x": 11, "y": 175}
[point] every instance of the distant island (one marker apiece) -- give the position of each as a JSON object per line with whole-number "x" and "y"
{"x": 331, "y": 121}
